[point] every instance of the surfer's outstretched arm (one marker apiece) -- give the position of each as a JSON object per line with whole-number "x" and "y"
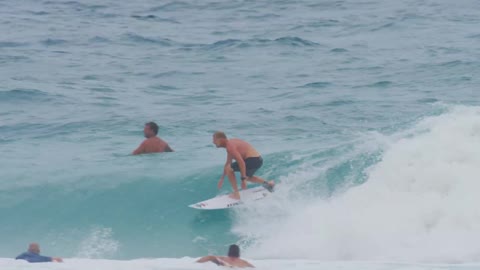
{"x": 209, "y": 259}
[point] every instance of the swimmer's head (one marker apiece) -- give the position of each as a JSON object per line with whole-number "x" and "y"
{"x": 234, "y": 251}
{"x": 34, "y": 248}
{"x": 150, "y": 130}
{"x": 219, "y": 139}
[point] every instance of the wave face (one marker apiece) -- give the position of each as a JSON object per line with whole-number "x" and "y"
{"x": 366, "y": 114}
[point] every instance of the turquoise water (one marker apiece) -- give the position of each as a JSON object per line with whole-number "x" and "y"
{"x": 366, "y": 112}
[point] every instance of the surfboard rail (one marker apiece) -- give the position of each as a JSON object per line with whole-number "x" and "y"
{"x": 225, "y": 202}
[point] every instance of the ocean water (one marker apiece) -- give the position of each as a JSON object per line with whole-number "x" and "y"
{"x": 367, "y": 114}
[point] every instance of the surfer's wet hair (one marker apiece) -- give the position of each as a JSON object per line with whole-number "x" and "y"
{"x": 219, "y": 135}
{"x": 153, "y": 126}
{"x": 234, "y": 251}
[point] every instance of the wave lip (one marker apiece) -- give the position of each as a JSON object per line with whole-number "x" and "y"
{"x": 11, "y": 44}
{"x": 257, "y": 42}
{"x": 25, "y": 95}
{"x": 53, "y": 42}
{"x": 316, "y": 85}
{"x": 295, "y": 41}
{"x": 153, "y": 18}
{"x": 164, "y": 42}
{"x": 172, "y": 6}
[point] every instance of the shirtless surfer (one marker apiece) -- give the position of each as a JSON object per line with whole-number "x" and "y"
{"x": 233, "y": 259}
{"x": 152, "y": 143}
{"x": 248, "y": 161}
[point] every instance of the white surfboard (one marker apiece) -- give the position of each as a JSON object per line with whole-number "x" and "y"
{"x": 224, "y": 201}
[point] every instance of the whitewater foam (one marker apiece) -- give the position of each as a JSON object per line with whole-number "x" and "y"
{"x": 189, "y": 263}
{"x": 418, "y": 203}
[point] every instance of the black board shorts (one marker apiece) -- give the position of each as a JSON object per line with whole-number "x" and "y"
{"x": 252, "y": 164}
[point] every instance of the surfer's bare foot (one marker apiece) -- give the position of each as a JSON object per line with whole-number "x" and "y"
{"x": 235, "y": 195}
{"x": 269, "y": 185}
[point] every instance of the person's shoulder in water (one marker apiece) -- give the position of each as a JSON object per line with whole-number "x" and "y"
{"x": 152, "y": 143}
{"x": 33, "y": 255}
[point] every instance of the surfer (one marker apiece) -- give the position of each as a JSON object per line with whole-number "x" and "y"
{"x": 247, "y": 162}
{"x": 232, "y": 260}
{"x": 33, "y": 255}
{"x": 152, "y": 143}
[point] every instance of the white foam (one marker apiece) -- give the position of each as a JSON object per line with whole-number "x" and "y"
{"x": 419, "y": 203}
{"x": 189, "y": 264}
{"x": 98, "y": 244}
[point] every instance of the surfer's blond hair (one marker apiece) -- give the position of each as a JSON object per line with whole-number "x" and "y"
{"x": 219, "y": 135}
